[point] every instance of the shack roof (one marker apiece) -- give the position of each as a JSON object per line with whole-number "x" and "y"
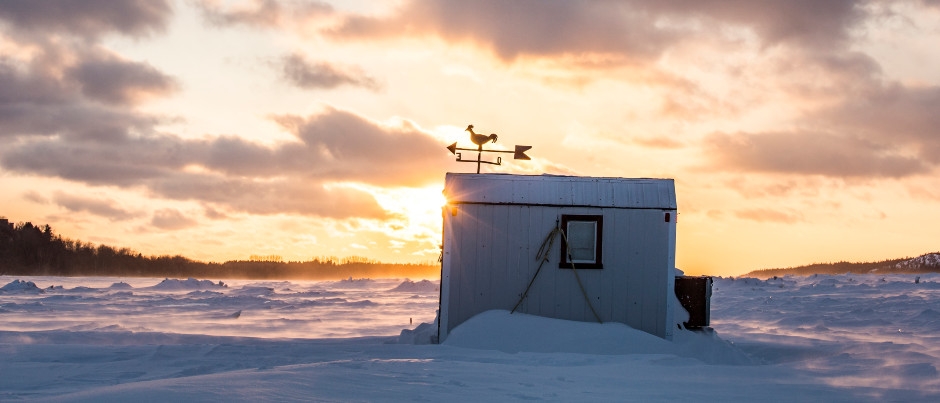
{"x": 555, "y": 190}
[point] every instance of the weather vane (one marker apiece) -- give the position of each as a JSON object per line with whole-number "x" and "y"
{"x": 480, "y": 140}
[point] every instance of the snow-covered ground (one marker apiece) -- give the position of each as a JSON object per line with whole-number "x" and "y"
{"x": 823, "y": 338}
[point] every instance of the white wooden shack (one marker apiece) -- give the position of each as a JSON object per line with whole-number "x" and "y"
{"x": 622, "y": 237}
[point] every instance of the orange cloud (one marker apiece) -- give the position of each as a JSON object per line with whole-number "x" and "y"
{"x": 768, "y": 215}
{"x": 809, "y": 153}
{"x": 292, "y": 177}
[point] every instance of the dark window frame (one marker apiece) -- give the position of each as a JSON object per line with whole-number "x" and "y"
{"x": 563, "y": 263}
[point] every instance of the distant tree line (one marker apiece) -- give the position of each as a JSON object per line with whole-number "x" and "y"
{"x": 27, "y": 249}
{"x": 882, "y": 267}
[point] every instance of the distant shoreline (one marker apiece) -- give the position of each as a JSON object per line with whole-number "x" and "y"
{"x": 926, "y": 263}
{"x": 32, "y": 250}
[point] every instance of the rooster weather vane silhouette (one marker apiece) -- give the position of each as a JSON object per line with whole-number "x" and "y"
{"x": 480, "y": 140}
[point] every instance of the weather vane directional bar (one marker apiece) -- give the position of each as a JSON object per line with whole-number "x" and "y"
{"x": 480, "y": 140}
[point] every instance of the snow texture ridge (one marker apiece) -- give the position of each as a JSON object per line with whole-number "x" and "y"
{"x": 841, "y": 338}
{"x": 420, "y": 286}
{"x": 20, "y": 286}
{"x": 188, "y": 284}
{"x": 516, "y": 332}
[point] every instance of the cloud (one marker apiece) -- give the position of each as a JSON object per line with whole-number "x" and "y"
{"x": 171, "y": 219}
{"x": 292, "y": 195}
{"x": 52, "y": 97}
{"x": 518, "y": 28}
{"x": 343, "y": 146}
{"x": 894, "y": 114}
{"x": 108, "y": 79}
{"x": 124, "y": 162}
{"x": 807, "y": 23}
{"x": 806, "y": 187}
{"x": 304, "y": 74}
{"x": 299, "y": 176}
{"x": 105, "y": 208}
{"x": 809, "y": 153}
{"x": 261, "y": 13}
{"x": 64, "y": 82}
{"x": 88, "y": 18}
{"x": 637, "y": 30}
{"x": 214, "y": 214}
{"x": 660, "y": 142}
{"x": 769, "y": 215}
{"x": 35, "y": 197}
{"x": 850, "y": 121}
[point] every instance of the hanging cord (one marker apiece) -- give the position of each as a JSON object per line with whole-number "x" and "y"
{"x": 543, "y": 255}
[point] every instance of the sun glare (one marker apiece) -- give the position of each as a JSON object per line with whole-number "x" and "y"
{"x": 416, "y": 212}
{"x": 418, "y": 206}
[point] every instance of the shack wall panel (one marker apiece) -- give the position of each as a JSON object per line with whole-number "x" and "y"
{"x": 653, "y": 262}
{"x": 645, "y": 259}
{"x": 522, "y": 255}
{"x": 659, "y": 272}
{"x": 530, "y": 243}
{"x": 522, "y": 268}
{"x": 448, "y": 257}
{"x": 468, "y": 234}
{"x": 564, "y": 301}
{"x": 593, "y": 288}
{"x": 628, "y": 284}
{"x": 584, "y": 193}
{"x": 560, "y": 190}
{"x": 559, "y": 294}
{"x": 521, "y": 191}
{"x": 613, "y": 267}
{"x": 484, "y": 270}
{"x": 670, "y": 277}
{"x": 500, "y": 285}
{"x": 491, "y": 257}
{"x": 544, "y": 220}
{"x": 519, "y": 256}
{"x": 634, "y": 282}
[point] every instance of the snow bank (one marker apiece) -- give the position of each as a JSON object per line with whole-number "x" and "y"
{"x": 186, "y": 285}
{"x": 420, "y": 286}
{"x": 353, "y": 283}
{"x": 23, "y": 287}
{"x": 425, "y": 333}
{"x": 513, "y": 333}
{"x": 254, "y": 291}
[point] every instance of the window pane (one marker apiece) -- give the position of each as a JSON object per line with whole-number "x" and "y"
{"x": 582, "y": 240}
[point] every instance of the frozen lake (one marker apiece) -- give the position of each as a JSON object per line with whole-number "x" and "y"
{"x": 831, "y": 338}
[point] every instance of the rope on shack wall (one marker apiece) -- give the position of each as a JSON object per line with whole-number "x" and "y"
{"x": 543, "y": 255}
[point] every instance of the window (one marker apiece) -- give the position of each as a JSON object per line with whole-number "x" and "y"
{"x": 584, "y": 235}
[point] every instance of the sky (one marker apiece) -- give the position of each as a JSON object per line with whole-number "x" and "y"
{"x": 796, "y": 131}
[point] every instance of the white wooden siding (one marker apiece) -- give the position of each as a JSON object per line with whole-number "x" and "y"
{"x": 560, "y": 190}
{"x": 491, "y": 242}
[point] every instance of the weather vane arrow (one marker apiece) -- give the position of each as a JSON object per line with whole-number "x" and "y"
{"x": 480, "y": 140}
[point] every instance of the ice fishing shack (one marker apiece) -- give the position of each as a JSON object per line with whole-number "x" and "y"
{"x": 566, "y": 247}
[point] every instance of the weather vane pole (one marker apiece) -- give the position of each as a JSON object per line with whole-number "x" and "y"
{"x": 480, "y": 140}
